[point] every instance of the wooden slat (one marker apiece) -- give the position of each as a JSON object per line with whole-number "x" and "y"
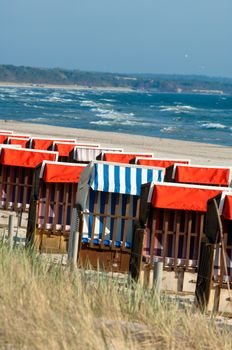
{"x": 126, "y": 221}
{"x": 47, "y": 205}
{"x": 105, "y": 218}
{"x": 185, "y": 234}
{"x": 65, "y": 208}
{"x": 201, "y": 228}
{"x": 17, "y": 188}
{"x": 9, "y": 187}
{"x": 116, "y": 219}
{"x": 165, "y": 233}
{"x": 153, "y": 234}
{"x": 56, "y": 206}
{"x": 189, "y": 230}
{"x": 25, "y": 189}
{"x": 96, "y": 195}
{"x": 177, "y": 237}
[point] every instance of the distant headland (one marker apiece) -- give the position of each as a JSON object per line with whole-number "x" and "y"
{"x": 39, "y": 77}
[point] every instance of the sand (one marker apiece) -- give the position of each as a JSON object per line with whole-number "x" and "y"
{"x": 199, "y": 153}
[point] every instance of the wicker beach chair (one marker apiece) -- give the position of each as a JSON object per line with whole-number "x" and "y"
{"x": 160, "y": 162}
{"x": 66, "y": 149}
{"x": 123, "y": 157}
{"x": 88, "y": 154}
{"x": 17, "y": 170}
{"x": 214, "y": 283}
{"x": 22, "y": 141}
{"x": 173, "y": 229}
{"x": 108, "y": 202}
{"x": 44, "y": 143}
{"x": 53, "y": 197}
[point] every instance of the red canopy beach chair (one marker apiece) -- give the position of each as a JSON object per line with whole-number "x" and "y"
{"x": 88, "y": 154}
{"x": 52, "y": 201}
{"x": 214, "y": 283}
{"x": 23, "y": 142}
{"x": 44, "y": 143}
{"x": 199, "y": 174}
{"x": 17, "y": 167}
{"x": 160, "y": 162}
{"x": 174, "y": 227}
{"x": 123, "y": 157}
{"x": 66, "y": 149}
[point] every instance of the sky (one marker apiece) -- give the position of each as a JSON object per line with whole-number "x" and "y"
{"x": 124, "y": 36}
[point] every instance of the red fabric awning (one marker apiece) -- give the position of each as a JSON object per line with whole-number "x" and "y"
{"x": 61, "y": 172}
{"x": 183, "y": 198}
{"x": 3, "y": 138}
{"x": 44, "y": 144}
{"x": 202, "y": 175}
{"x": 227, "y": 208}
{"x": 123, "y": 157}
{"x": 65, "y": 148}
{"x": 24, "y": 158}
{"x": 162, "y": 163}
{"x": 16, "y": 141}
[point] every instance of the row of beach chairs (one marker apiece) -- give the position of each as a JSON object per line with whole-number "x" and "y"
{"x": 129, "y": 209}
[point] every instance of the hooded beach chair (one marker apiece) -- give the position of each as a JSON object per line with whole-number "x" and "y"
{"x": 65, "y": 149}
{"x": 160, "y": 162}
{"x": 123, "y": 157}
{"x": 214, "y": 283}
{"x": 44, "y": 143}
{"x": 199, "y": 174}
{"x": 22, "y": 141}
{"x": 173, "y": 228}
{"x": 53, "y": 197}
{"x": 88, "y": 154}
{"x": 17, "y": 168}
{"x": 3, "y": 137}
{"x": 108, "y": 201}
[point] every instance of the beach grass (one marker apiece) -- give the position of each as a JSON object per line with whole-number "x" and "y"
{"x": 48, "y": 306}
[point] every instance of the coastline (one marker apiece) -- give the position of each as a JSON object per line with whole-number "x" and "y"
{"x": 66, "y": 87}
{"x": 198, "y": 153}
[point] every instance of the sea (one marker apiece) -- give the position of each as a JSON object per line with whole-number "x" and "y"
{"x": 192, "y": 117}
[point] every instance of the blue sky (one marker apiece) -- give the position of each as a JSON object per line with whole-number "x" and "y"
{"x": 141, "y": 36}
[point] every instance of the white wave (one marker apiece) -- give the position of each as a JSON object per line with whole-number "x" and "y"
{"x": 35, "y": 119}
{"x": 38, "y": 107}
{"x": 89, "y": 103}
{"x": 168, "y": 129}
{"x": 56, "y": 99}
{"x": 121, "y": 123}
{"x": 112, "y": 114}
{"x": 178, "y": 109}
{"x": 108, "y": 100}
{"x": 213, "y": 126}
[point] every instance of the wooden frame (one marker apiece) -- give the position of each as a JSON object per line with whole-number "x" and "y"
{"x": 173, "y": 237}
{"x": 108, "y": 253}
{"x": 15, "y": 187}
{"x": 214, "y": 282}
{"x": 50, "y": 215}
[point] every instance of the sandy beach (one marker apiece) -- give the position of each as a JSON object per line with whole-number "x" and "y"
{"x": 62, "y": 86}
{"x": 199, "y": 153}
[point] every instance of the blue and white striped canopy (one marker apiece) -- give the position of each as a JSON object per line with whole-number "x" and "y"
{"x": 122, "y": 178}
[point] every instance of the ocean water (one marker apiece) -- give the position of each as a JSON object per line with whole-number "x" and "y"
{"x": 192, "y": 117}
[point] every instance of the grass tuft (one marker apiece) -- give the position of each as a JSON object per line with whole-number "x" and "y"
{"x": 47, "y": 306}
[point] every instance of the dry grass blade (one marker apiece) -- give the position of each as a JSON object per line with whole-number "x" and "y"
{"x": 45, "y": 306}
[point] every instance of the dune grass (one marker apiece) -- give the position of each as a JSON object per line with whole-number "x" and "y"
{"x": 47, "y": 306}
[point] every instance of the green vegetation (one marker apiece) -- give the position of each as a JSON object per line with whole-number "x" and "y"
{"x": 47, "y": 306}
{"x": 150, "y": 82}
